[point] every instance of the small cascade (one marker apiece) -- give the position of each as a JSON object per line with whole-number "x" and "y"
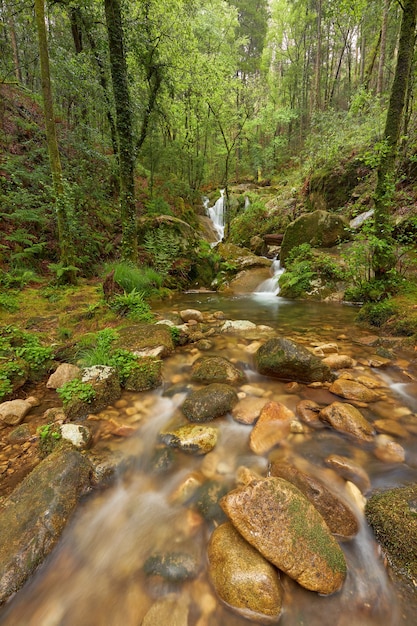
{"x": 216, "y": 214}
{"x": 271, "y": 285}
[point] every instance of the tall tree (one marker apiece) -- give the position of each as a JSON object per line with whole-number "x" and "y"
{"x": 124, "y": 128}
{"x": 66, "y": 258}
{"x": 383, "y": 257}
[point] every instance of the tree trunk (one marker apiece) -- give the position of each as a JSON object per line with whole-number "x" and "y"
{"x": 66, "y": 256}
{"x": 383, "y": 257}
{"x": 382, "y": 49}
{"x": 123, "y": 128}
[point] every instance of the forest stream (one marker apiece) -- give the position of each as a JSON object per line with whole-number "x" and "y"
{"x": 95, "y": 576}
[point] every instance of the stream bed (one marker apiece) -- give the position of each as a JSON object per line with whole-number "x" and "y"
{"x": 95, "y": 576}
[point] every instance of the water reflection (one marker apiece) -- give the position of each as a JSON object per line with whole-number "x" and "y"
{"x": 95, "y": 577}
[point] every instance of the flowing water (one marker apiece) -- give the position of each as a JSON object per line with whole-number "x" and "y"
{"x": 216, "y": 214}
{"x": 95, "y": 575}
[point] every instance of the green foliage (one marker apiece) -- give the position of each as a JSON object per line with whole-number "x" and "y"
{"x": 133, "y": 306}
{"x": 98, "y": 348}
{"x": 9, "y": 302}
{"x": 76, "y": 390}
{"x": 256, "y": 219}
{"x": 63, "y": 272}
{"x": 17, "y": 278}
{"x": 21, "y": 354}
{"x": 377, "y": 313}
{"x": 175, "y": 334}
{"x": 143, "y": 279}
{"x": 164, "y": 246}
{"x": 49, "y": 435}
{"x": 158, "y": 206}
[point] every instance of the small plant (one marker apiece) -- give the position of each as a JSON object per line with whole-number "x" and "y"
{"x": 175, "y": 334}
{"x": 49, "y": 435}
{"x": 9, "y": 302}
{"x": 143, "y": 279}
{"x": 76, "y": 390}
{"x": 377, "y": 313}
{"x": 133, "y": 306}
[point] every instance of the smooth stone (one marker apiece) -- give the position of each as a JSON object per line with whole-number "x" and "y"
{"x": 13, "y": 412}
{"x": 105, "y": 382}
{"x": 347, "y": 419}
{"x": 172, "y": 566}
{"x": 286, "y": 360}
{"x": 215, "y": 400}
{"x": 308, "y": 411}
{"x": 388, "y": 450}
{"x": 390, "y": 427}
{"x": 237, "y": 326}
{"x": 337, "y": 515}
{"x": 248, "y": 410}
{"x": 273, "y": 425}
{"x": 171, "y": 609}
{"x": 349, "y": 470}
{"x": 64, "y": 373}
{"x": 352, "y": 390}
{"x": 192, "y": 438}
{"x": 242, "y": 578}
{"x": 339, "y": 361}
{"x": 274, "y": 517}
{"x": 207, "y": 500}
{"x": 191, "y": 314}
{"x": 216, "y": 369}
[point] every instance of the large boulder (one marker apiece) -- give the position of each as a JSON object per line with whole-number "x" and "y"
{"x": 242, "y": 578}
{"x": 240, "y": 258}
{"x": 279, "y": 521}
{"x": 320, "y": 229}
{"x": 34, "y": 515}
{"x": 146, "y": 340}
{"x": 104, "y": 381}
{"x": 284, "y": 359}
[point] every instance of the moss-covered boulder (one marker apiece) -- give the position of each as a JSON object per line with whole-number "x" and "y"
{"x": 216, "y": 369}
{"x": 331, "y": 188}
{"x": 392, "y": 515}
{"x": 320, "y": 229}
{"x": 34, "y": 515}
{"x": 145, "y": 374}
{"x": 146, "y": 340}
{"x": 99, "y": 386}
{"x": 240, "y": 258}
{"x": 215, "y": 400}
{"x": 284, "y": 359}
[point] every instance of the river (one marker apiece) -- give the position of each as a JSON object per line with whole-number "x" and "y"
{"x": 95, "y": 575}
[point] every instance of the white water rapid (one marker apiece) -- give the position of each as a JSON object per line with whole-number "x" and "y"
{"x": 271, "y": 285}
{"x": 216, "y": 214}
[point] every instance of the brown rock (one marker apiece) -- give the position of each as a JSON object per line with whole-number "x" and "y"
{"x": 242, "y": 578}
{"x": 273, "y": 425}
{"x": 352, "y": 390}
{"x": 248, "y": 410}
{"x": 347, "y": 419}
{"x": 390, "y": 427}
{"x": 63, "y": 374}
{"x": 308, "y": 411}
{"x": 339, "y": 361}
{"x": 277, "y": 519}
{"x": 389, "y": 451}
{"x": 13, "y": 412}
{"x": 349, "y": 470}
{"x": 338, "y": 516}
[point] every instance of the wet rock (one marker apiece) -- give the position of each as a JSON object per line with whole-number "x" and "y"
{"x": 327, "y": 348}
{"x": 146, "y": 340}
{"x": 19, "y": 434}
{"x": 77, "y": 434}
{"x": 237, "y": 326}
{"x": 204, "y": 344}
{"x": 13, "y": 412}
{"x": 216, "y": 369}
{"x": 105, "y": 382}
{"x": 187, "y": 487}
{"x": 392, "y": 516}
{"x": 308, "y": 411}
{"x": 347, "y": 419}
{"x": 286, "y": 360}
{"x": 162, "y": 460}
{"x": 337, "y": 515}
{"x": 338, "y": 361}
{"x": 248, "y": 409}
{"x": 388, "y": 450}
{"x": 349, "y": 470}
{"x": 191, "y": 314}
{"x": 390, "y": 427}
{"x": 352, "y": 390}
{"x": 242, "y": 258}
{"x": 215, "y": 400}
{"x": 273, "y": 425}
{"x": 107, "y": 464}
{"x": 248, "y": 280}
{"x": 242, "y": 578}
{"x": 63, "y": 374}
{"x": 207, "y": 500}
{"x": 192, "y": 438}
{"x": 171, "y": 609}
{"x": 274, "y": 517}
{"x": 173, "y": 567}
{"x": 34, "y": 515}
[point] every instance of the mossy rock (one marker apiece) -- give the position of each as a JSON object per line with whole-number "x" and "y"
{"x": 240, "y": 258}
{"x": 331, "y": 188}
{"x": 144, "y": 339}
{"x": 320, "y": 229}
{"x": 392, "y": 515}
{"x": 145, "y": 374}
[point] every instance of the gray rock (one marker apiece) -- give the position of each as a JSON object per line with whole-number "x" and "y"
{"x": 242, "y": 578}
{"x": 286, "y": 360}
{"x": 13, "y": 412}
{"x": 215, "y": 400}
{"x": 35, "y": 514}
{"x": 77, "y": 434}
{"x": 63, "y": 374}
{"x": 279, "y": 521}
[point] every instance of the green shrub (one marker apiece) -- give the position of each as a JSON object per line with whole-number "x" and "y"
{"x": 49, "y": 435}
{"x": 97, "y": 348}
{"x": 76, "y": 390}
{"x": 377, "y": 313}
{"x": 256, "y": 219}
{"x": 133, "y": 306}
{"x": 164, "y": 247}
{"x": 9, "y": 302}
{"x": 158, "y": 206}
{"x": 142, "y": 279}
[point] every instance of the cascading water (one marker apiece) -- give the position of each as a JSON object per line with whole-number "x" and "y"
{"x": 216, "y": 214}
{"x": 271, "y": 285}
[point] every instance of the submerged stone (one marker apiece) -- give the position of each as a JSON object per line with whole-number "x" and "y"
{"x": 192, "y": 438}
{"x": 216, "y": 369}
{"x": 347, "y": 419}
{"x": 279, "y": 521}
{"x": 273, "y": 425}
{"x": 215, "y": 400}
{"x": 242, "y": 578}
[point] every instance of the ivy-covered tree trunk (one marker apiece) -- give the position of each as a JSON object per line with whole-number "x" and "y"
{"x": 123, "y": 128}
{"x": 383, "y": 254}
{"x": 65, "y": 245}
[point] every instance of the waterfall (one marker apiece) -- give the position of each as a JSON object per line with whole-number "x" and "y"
{"x": 216, "y": 214}
{"x": 271, "y": 286}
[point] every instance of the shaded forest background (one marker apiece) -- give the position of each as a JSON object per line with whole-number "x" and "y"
{"x": 183, "y": 97}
